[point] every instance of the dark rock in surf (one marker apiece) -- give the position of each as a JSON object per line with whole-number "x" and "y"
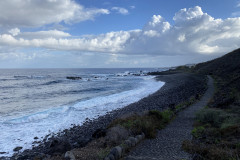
{"x": 74, "y": 78}
{"x": 17, "y": 149}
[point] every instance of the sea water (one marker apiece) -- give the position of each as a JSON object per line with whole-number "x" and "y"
{"x": 36, "y": 102}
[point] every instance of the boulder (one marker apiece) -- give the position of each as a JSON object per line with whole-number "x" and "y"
{"x": 133, "y": 141}
{"x": 139, "y": 137}
{"x": 111, "y": 157}
{"x": 106, "y": 158}
{"x": 137, "y": 140}
{"x": 69, "y": 155}
{"x": 116, "y": 152}
{"x": 128, "y": 143}
{"x": 143, "y": 135}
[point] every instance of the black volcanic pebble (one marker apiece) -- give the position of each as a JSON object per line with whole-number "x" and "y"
{"x": 99, "y": 133}
{"x": 59, "y": 146}
{"x": 178, "y": 88}
{"x": 17, "y": 149}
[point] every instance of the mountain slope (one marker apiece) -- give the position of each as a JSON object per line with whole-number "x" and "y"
{"x": 225, "y": 65}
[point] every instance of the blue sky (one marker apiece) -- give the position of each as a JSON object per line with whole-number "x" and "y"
{"x": 145, "y": 9}
{"x": 116, "y": 33}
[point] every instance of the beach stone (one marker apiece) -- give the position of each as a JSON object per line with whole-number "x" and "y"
{"x": 38, "y": 156}
{"x": 17, "y": 149}
{"x": 106, "y": 158}
{"x": 177, "y": 88}
{"x": 70, "y": 155}
{"x": 59, "y": 146}
{"x": 133, "y": 141}
{"x": 136, "y": 140}
{"x": 116, "y": 152}
{"x": 139, "y": 137}
{"x": 111, "y": 157}
{"x": 81, "y": 141}
{"x": 99, "y": 133}
{"x": 143, "y": 135}
{"x": 128, "y": 143}
{"x": 124, "y": 149}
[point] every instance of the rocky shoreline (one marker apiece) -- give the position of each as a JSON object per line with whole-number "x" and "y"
{"x": 178, "y": 88}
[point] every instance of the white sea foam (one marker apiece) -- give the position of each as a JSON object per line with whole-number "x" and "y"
{"x": 21, "y": 131}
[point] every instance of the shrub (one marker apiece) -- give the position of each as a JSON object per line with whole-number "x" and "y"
{"x": 167, "y": 115}
{"x": 156, "y": 113}
{"x": 198, "y": 131}
{"x": 116, "y": 135}
{"x": 146, "y": 123}
{"x": 103, "y": 153}
{"x": 212, "y": 116}
{"x": 231, "y": 121}
{"x": 208, "y": 151}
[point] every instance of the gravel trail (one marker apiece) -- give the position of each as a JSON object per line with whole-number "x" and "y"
{"x": 167, "y": 145}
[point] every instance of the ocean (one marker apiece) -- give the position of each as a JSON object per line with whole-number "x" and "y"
{"x": 37, "y": 102}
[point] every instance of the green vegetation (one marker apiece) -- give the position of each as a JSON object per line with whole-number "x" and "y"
{"x": 147, "y": 123}
{"x": 198, "y": 131}
{"x": 151, "y": 121}
{"x": 103, "y": 153}
{"x": 216, "y": 135}
{"x": 217, "y": 127}
{"x": 185, "y": 104}
{"x": 184, "y": 68}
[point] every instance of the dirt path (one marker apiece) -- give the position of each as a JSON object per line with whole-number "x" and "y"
{"x": 167, "y": 145}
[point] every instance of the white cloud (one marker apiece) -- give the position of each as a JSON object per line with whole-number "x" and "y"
{"x": 187, "y": 15}
{"x": 194, "y": 33}
{"x": 157, "y": 24}
{"x": 29, "y": 13}
{"x": 238, "y": 4}
{"x": 44, "y": 34}
{"x": 14, "y": 31}
{"x": 236, "y": 14}
{"x": 110, "y": 42}
{"x": 132, "y": 7}
{"x": 120, "y": 10}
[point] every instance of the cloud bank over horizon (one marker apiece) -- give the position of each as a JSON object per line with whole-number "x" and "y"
{"x": 192, "y": 33}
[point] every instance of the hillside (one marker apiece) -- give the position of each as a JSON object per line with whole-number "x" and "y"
{"x": 225, "y": 65}
{"x": 217, "y": 126}
{"x": 226, "y": 71}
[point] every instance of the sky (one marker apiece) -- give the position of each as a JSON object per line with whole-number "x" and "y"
{"x": 116, "y": 33}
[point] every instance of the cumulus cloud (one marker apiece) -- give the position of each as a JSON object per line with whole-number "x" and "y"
{"x": 110, "y": 42}
{"x": 194, "y": 32}
{"x": 120, "y": 10}
{"x": 14, "y": 31}
{"x": 18, "y": 13}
